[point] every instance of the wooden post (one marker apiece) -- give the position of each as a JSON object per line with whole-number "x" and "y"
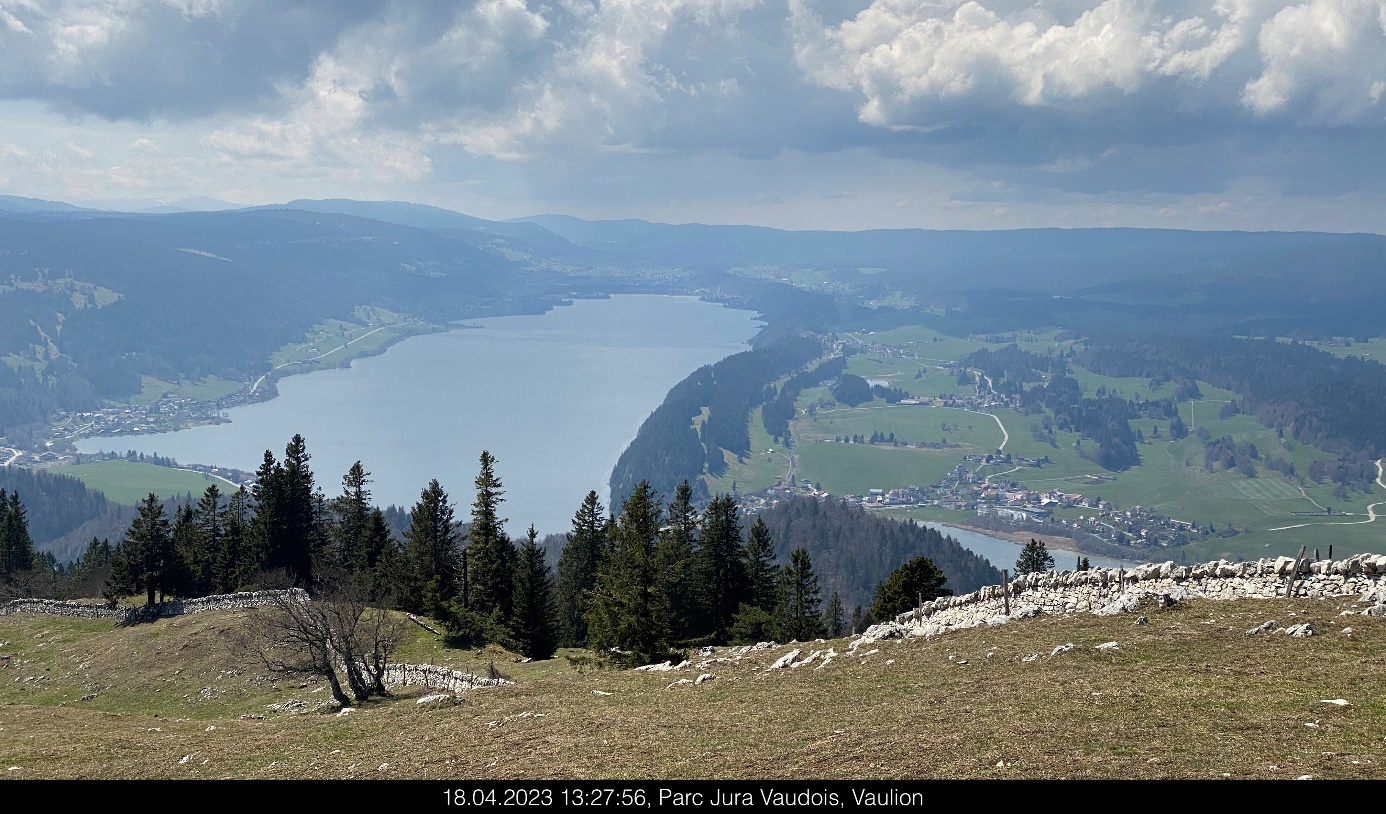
{"x": 1316, "y": 553}
{"x": 918, "y": 607}
{"x": 1330, "y": 552}
{"x": 1006, "y": 589}
{"x": 1294, "y": 573}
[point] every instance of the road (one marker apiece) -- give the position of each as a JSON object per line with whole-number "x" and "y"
{"x": 1371, "y": 509}
{"x": 256, "y": 386}
{"x": 14, "y": 455}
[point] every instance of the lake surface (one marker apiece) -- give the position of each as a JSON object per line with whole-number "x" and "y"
{"x": 1003, "y": 553}
{"x": 554, "y": 397}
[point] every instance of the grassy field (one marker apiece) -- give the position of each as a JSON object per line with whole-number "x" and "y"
{"x": 208, "y": 389}
{"x": 1186, "y": 696}
{"x": 843, "y": 469}
{"x": 129, "y": 482}
{"x": 335, "y": 341}
{"x": 759, "y": 470}
{"x": 914, "y": 423}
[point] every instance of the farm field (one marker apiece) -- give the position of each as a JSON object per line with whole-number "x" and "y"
{"x": 129, "y": 482}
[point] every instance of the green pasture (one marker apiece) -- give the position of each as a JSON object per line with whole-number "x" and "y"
{"x": 756, "y": 471}
{"x": 853, "y": 469}
{"x": 209, "y": 389}
{"x": 914, "y": 423}
{"x": 129, "y": 482}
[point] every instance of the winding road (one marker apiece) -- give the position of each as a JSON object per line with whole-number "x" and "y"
{"x": 1371, "y": 509}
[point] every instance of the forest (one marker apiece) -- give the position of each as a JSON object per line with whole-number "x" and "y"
{"x": 636, "y": 584}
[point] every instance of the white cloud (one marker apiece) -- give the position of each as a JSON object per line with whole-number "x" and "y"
{"x": 1325, "y": 61}
{"x": 919, "y": 64}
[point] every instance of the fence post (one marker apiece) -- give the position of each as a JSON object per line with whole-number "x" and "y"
{"x": 1006, "y": 589}
{"x": 1294, "y": 572}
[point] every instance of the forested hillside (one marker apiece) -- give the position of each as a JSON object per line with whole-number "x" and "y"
{"x": 855, "y": 550}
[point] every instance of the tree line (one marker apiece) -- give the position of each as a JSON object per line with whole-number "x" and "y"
{"x": 636, "y": 585}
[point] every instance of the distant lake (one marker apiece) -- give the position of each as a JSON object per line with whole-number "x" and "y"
{"x": 1003, "y": 553}
{"x": 554, "y": 397}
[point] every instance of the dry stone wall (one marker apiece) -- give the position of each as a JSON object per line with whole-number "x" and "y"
{"x": 162, "y": 610}
{"x": 1108, "y": 591}
{"x": 423, "y": 675}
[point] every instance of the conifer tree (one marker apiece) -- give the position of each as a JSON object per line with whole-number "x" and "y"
{"x": 16, "y": 546}
{"x": 722, "y": 569}
{"x": 188, "y": 573}
{"x": 144, "y": 559}
{"x": 234, "y": 562}
{"x": 577, "y": 570}
{"x": 1034, "y": 558}
{"x": 676, "y": 566}
{"x": 351, "y": 512}
{"x": 625, "y": 614}
{"x": 430, "y": 546}
{"x": 536, "y": 618}
{"x": 211, "y": 526}
{"x": 761, "y": 573}
{"x": 799, "y": 614}
{"x": 834, "y": 617}
{"x": 916, "y": 580}
{"x": 288, "y": 513}
{"x": 490, "y": 553}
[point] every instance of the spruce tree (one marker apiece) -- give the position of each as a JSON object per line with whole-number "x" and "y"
{"x": 144, "y": 559}
{"x": 835, "y": 617}
{"x": 350, "y": 512}
{"x": 16, "y": 546}
{"x": 1034, "y": 558}
{"x": 761, "y": 573}
{"x": 722, "y": 570}
{"x": 577, "y": 570}
{"x": 799, "y": 614}
{"x": 430, "y": 546}
{"x": 916, "y": 580}
{"x": 676, "y": 566}
{"x": 211, "y": 526}
{"x": 624, "y": 616}
{"x": 234, "y": 560}
{"x": 490, "y": 553}
{"x": 188, "y": 573}
{"x": 536, "y": 618}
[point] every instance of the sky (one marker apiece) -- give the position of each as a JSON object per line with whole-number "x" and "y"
{"x": 823, "y": 114}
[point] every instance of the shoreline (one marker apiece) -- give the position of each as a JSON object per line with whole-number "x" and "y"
{"x": 1022, "y": 537}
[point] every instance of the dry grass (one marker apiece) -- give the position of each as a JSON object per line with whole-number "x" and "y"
{"x": 1187, "y": 695}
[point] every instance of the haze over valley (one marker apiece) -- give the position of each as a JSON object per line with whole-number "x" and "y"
{"x": 384, "y": 349}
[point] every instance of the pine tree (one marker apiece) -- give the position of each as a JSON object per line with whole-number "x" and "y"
{"x": 577, "y": 570}
{"x": 431, "y": 549}
{"x": 722, "y": 570}
{"x": 676, "y": 564}
{"x": 536, "y": 618}
{"x": 1034, "y": 558}
{"x": 624, "y": 614}
{"x": 490, "y": 553}
{"x": 799, "y": 613}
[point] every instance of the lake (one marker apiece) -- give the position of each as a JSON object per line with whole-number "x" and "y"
{"x": 1003, "y": 553}
{"x": 555, "y": 397}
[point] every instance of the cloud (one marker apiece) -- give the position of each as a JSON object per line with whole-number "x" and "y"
{"x": 928, "y": 65}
